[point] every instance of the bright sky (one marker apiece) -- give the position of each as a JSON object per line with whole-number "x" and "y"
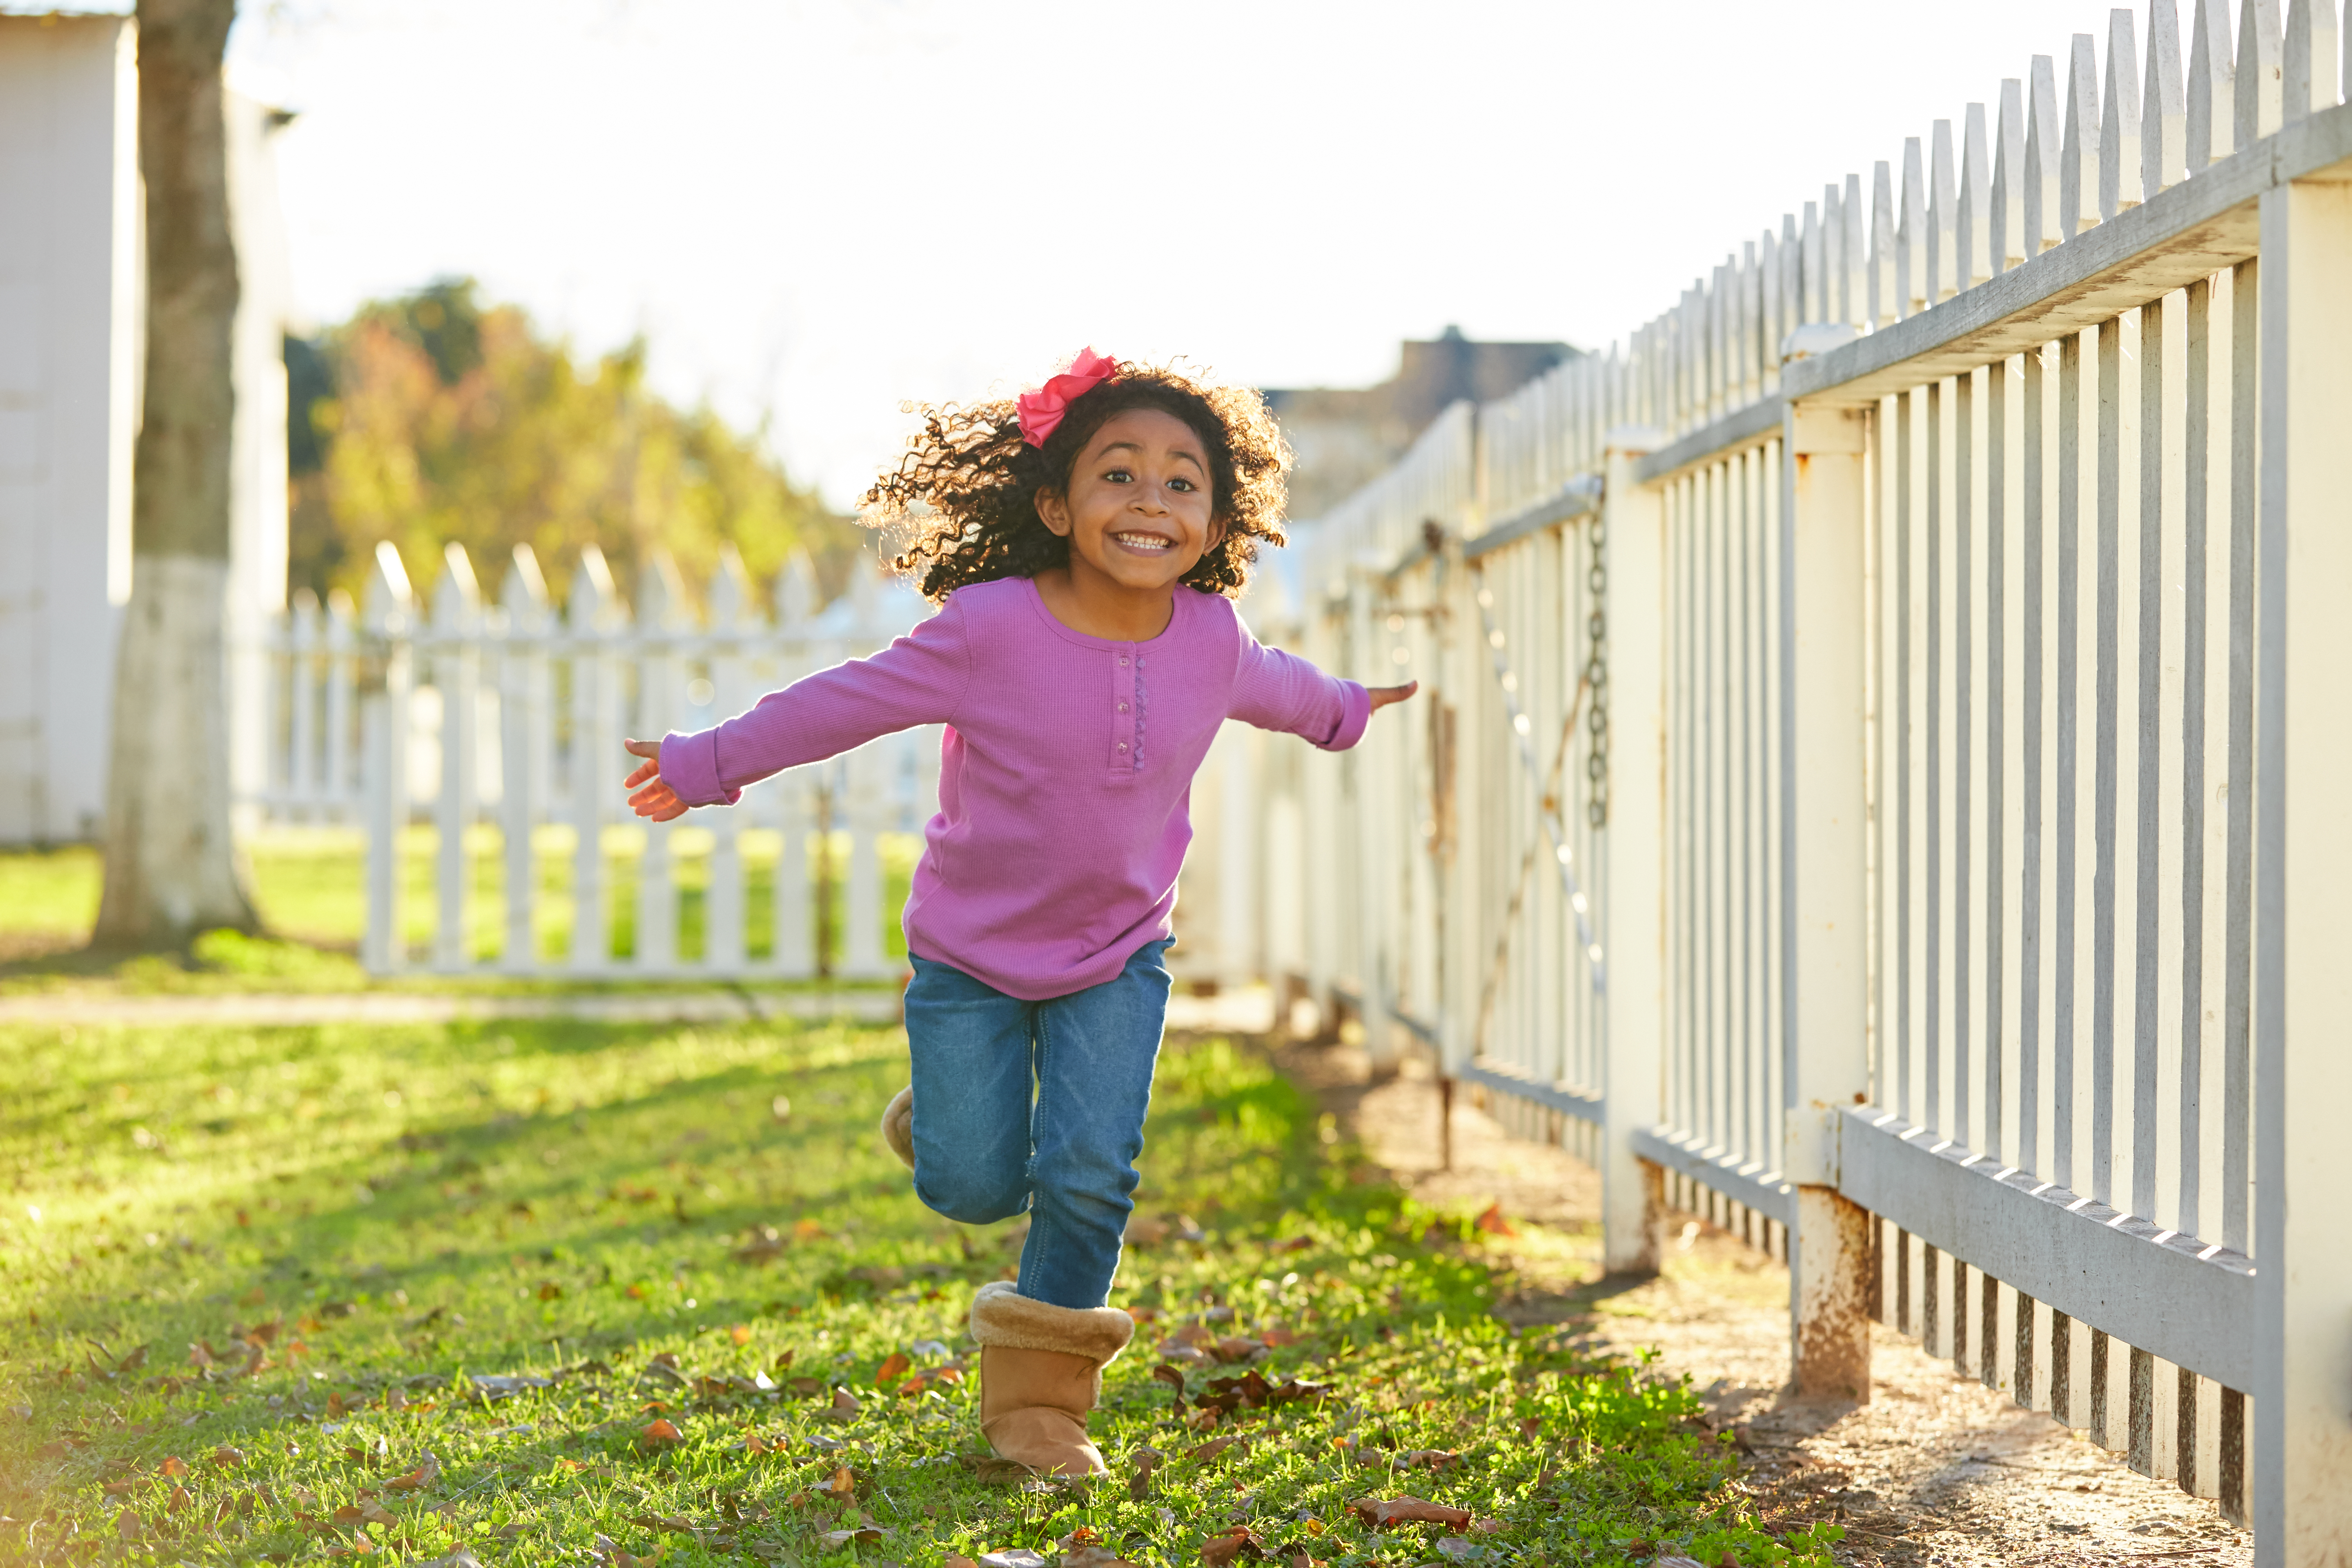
{"x": 816, "y": 209}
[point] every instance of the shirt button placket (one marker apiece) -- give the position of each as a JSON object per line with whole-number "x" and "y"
{"x": 1123, "y": 706}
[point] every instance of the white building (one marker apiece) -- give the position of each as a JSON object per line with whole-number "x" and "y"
{"x": 72, "y": 261}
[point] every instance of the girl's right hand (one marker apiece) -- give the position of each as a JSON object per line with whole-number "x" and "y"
{"x": 1382, "y": 696}
{"x": 656, "y": 800}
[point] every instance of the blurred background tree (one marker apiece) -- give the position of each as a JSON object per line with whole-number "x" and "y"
{"x": 438, "y": 417}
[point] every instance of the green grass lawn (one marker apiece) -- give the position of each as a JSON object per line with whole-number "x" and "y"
{"x": 310, "y": 887}
{"x": 296, "y": 1293}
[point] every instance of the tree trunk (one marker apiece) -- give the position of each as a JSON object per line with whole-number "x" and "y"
{"x": 173, "y": 869}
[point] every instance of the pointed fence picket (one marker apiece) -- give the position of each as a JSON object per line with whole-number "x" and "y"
{"x": 1874, "y": 784}
{"x": 509, "y": 757}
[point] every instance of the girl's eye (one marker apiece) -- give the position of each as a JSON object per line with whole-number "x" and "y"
{"x": 1117, "y": 476}
{"x": 1180, "y": 482}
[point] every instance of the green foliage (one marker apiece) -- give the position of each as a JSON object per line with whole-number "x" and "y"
{"x": 435, "y": 417}
{"x": 282, "y": 1256}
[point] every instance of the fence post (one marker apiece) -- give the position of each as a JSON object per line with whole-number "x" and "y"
{"x": 592, "y": 611}
{"x": 663, "y": 612}
{"x": 390, "y": 606}
{"x": 732, "y": 609}
{"x": 1824, "y": 891}
{"x": 1634, "y": 917}
{"x": 523, "y": 703}
{"x": 457, "y": 675}
{"x": 2303, "y": 989}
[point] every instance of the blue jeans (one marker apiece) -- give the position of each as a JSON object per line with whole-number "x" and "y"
{"x": 1038, "y": 1106}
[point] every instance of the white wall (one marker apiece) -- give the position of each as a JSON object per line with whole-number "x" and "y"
{"x": 68, "y": 366}
{"x": 71, "y": 267}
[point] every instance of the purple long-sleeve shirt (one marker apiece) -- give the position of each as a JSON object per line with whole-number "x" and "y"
{"x": 1065, "y": 776}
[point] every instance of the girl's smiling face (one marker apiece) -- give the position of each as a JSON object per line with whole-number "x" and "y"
{"x": 1139, "y": 511}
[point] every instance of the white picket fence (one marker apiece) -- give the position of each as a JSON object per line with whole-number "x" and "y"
{"x": 511, "y": 752}
{"x": 1877, "y": 779}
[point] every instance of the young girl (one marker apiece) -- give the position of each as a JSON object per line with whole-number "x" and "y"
{"x": 1084, "y": 543}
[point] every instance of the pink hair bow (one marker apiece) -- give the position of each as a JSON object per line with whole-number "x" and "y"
{"x": 1041, "y": 410}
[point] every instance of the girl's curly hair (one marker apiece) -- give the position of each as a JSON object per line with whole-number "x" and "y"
{"x": 961, "y": 506}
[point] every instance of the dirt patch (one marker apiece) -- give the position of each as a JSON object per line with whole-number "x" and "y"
{"x": 1936, "y": 1470}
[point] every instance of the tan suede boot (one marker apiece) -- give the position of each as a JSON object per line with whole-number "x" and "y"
{"x": 1040, "y": 1375}
{"x": 899, "y": 1126}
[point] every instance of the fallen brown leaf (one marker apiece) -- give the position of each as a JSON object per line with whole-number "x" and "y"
{"x": 1394, "y": 1511}
{"x": 126, "y": 1524}
{"x": 1492, "y": 1221}
{"x": 1094, "y": 1557}
{"x": 845, "y": 1407}
{"x": 178, "y": 1500}
{"x": 862, "y": 1534}
{"x": 174, "y": 1465}
{"x": 765, "y": 1246}
{"x": 893, "y": 1367}
{"x": 659, "y": 1432}
{"x": 1231, "y": 1546}
{"x": 990, "y": 1470}
{"x": 1210, "y": 1449}
{"x": 428, "y": 1471}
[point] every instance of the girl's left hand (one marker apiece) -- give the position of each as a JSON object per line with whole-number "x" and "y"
{"x": 656, "y": 800}
{"x": 1382, "y": 696}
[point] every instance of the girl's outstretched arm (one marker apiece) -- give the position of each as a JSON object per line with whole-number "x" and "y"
{"x": 918, "y": 679}
{"x": 1278, "y": 690}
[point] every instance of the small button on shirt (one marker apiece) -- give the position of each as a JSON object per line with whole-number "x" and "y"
{"x": 1059, "y": 834}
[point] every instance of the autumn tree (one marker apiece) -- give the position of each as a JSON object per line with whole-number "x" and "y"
{"x": 435, "y": 417}
{"x": 172, "y": 866}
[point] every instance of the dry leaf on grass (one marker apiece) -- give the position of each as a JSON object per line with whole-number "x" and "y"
{"x": 762, "y": 1245}
{"x": 845, "y": 1407}
{"x": 228, "y": 1457}
{"x": 1492, "y": 1221}
{"x": 862, "y": 1534}
{"x": 174, "y": 1465}
{"x": 1231, "y": 1546}
{"x": 659, "y": 1433}
{"x": 1094, "y": 1557}
{"x": 428, "y": 1471}
{"x": 990, "y": 1470}
{"x": 1213, "y": 1448}
{"x": 1390, "y": 1513}
{"x": 893, "y": 1368}
{"x": 178, "y": 1500}
{"x": 611, "y": 1556}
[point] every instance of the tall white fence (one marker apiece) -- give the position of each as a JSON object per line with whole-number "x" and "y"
{"x": 492, "y": 732}
{"x": 1878, "y": 774}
